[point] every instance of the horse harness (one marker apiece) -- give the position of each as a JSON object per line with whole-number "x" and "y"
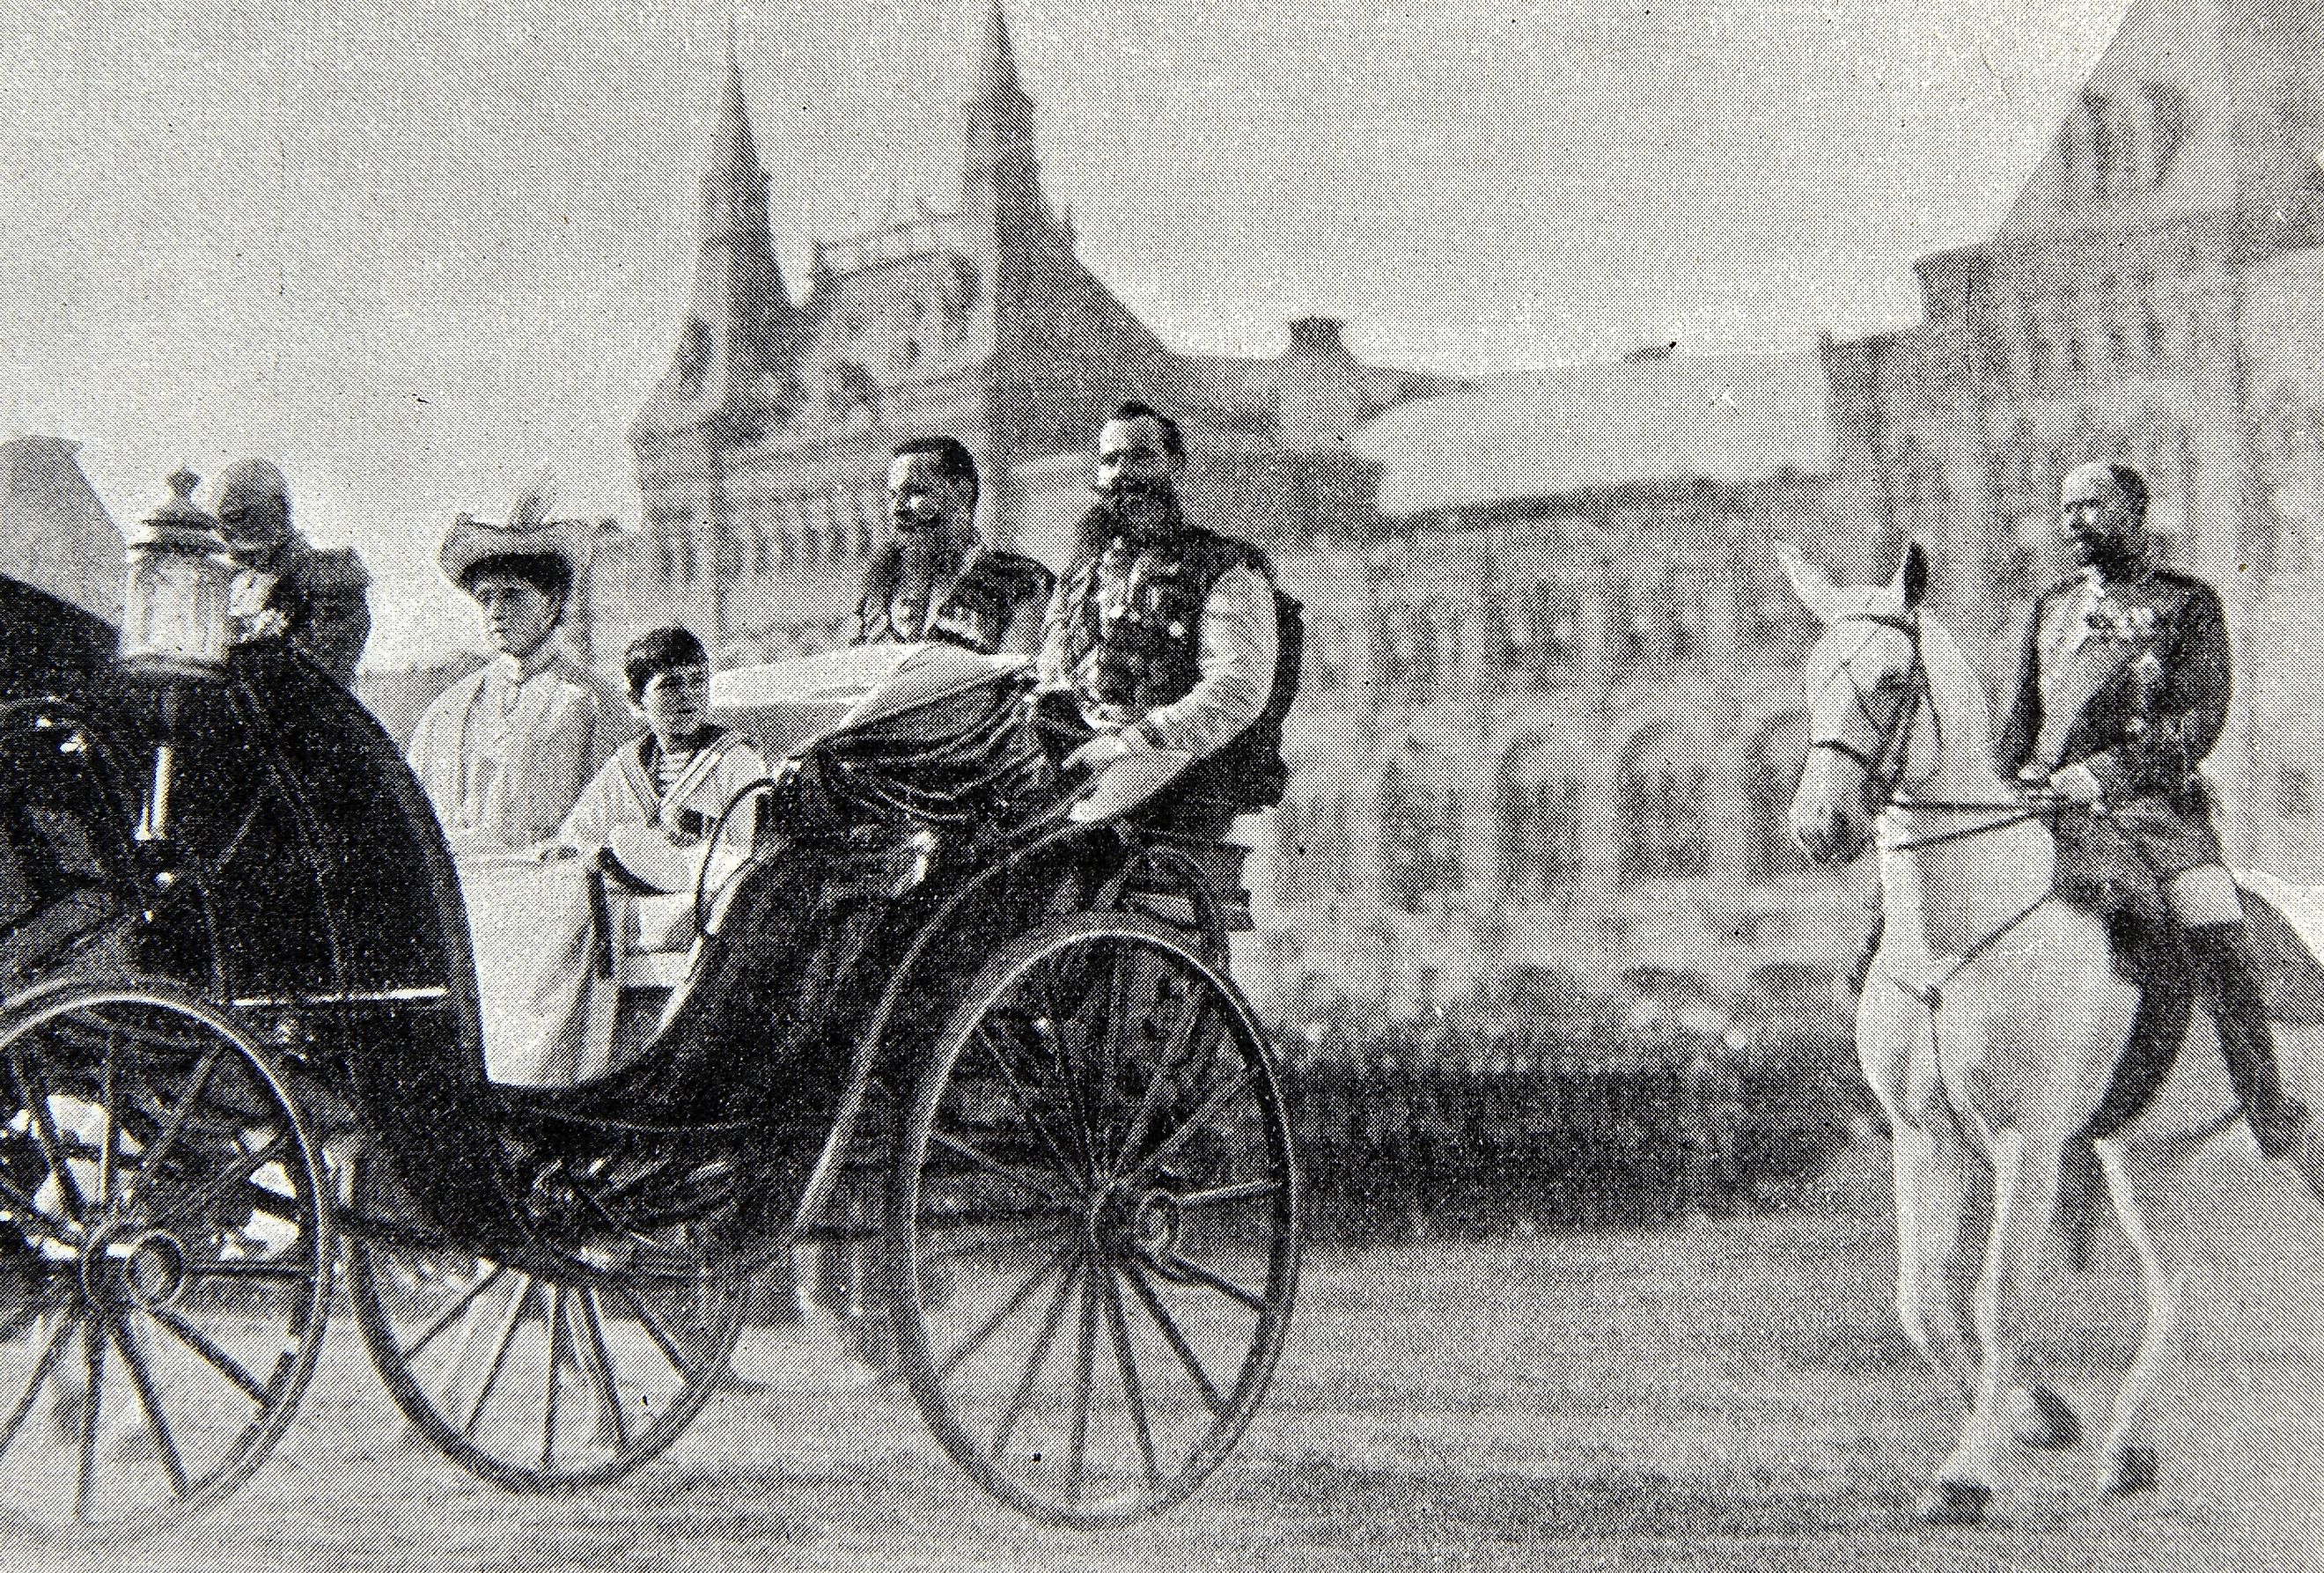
{"x": 1883, "y": 767}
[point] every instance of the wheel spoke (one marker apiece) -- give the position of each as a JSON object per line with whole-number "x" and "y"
{"x": 92, "y": 1343}
{"x": 1023, "y": 1101}
{"x": 35, "y": 1214}
{"x": 125, "y": 1339}
{"x": 664, "y": 1339}
{"x": 44, "y": 1130}
{"x": 1209, "y": 1279}
{"x": 1176, "y": 1340}
{"x": 1133, "y": 1393}
{"x": 557, "y": 1332}
{"x": 1216, "y": 1099}
{"x": 237, "y": 1173}
{"x": 1023, "y": 1394}
{"x": 1224, "y": 1195}
{"x": 277, "y": 1270}
{"x": 194, "y": 1339}
{"x": 41, "y": 1369}
{"x": 1030, "y": 1184}
{"x": 1165, "y": 1068}
{"x": 453, "y": 1313}
{"x": 166, "y": 1138}
{"x": 1084, "y": 1380}
{"x": 512, "y": 1319}
{"x": 600, "y": 1367}
{"x": 967, "y": 1346}
{"x": 105, "y": 1097}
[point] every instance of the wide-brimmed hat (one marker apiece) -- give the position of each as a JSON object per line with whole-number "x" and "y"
{"x": 530, "y": 532}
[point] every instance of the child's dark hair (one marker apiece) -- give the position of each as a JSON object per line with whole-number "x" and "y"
{"x": 665, "y": 650}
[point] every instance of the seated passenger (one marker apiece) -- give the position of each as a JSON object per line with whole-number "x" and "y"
{"x": 650, "y": 810}
{"x": 503, "y": 752}
{"x": 1162, "y": 635}
{"x": 936, "y": 579}
{"x": 641, "y": 832}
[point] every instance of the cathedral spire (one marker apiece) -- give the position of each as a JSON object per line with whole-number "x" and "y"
{"x": 996, "y": 67}
{"x": 999, "y": 175}
{"x": 733, "y": 149}
{"x": 737, "y": 347}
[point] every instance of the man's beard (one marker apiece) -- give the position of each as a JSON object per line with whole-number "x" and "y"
{"x": 2113, "y": 555}
{"x": 1141, "y": 510}
{"x": 933, "y": 549}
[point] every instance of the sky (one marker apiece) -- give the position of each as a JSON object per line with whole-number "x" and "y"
{"x": 418, "y": 253}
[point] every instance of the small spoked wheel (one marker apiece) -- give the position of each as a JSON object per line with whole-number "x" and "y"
{"x": 165, "y": 1257}
{"x": 541, "y": 1381}
{"x": 1092, "y": 1223}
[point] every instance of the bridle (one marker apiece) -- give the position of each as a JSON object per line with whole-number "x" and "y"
{"x": 1885, "y": 761}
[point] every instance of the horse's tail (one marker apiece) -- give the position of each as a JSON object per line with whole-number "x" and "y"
{"x": 2081, "y": 1197}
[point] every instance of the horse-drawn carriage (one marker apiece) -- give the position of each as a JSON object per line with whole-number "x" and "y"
{"x": 979, "y": 1038}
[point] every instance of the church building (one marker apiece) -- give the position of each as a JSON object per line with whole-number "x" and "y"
{"x": 763, "y": 456}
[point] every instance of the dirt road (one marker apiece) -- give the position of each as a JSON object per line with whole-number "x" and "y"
{"x": 1726, "y": 1396}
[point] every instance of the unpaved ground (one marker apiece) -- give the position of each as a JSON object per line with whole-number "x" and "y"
{"x": 1727, "y": 1396}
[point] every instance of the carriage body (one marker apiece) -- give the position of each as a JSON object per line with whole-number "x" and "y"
{"x": 990, "y": 1064}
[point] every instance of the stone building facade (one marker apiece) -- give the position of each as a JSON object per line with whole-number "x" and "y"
{"x": 1549, "y": 726}
{"x": 2156, "y": 296}
{"x": 763, "y": 455}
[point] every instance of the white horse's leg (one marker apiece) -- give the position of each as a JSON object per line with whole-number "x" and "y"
{"x": 2025, "y": 1166}
{"x": 2147, "y": 1183}
{"x": 1941, "y": 1216}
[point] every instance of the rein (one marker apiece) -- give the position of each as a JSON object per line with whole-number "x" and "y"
{"x": 1885, "y": 766}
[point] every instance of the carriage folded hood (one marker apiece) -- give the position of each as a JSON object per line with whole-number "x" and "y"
{"x": 48, "y": 644}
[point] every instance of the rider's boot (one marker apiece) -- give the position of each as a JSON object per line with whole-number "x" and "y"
{"x": 2223, "y": 970}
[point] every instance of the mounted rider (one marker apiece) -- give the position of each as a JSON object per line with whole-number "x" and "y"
{"x": 2122, "y": 691}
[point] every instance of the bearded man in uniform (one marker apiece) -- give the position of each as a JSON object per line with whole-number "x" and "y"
{"x": 936, "y": 579}
{"x": 1163, "y": 634}
{"x": 2122, "y": 691}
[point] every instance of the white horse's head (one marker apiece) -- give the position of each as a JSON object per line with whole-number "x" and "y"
{"x": 1874, "y": 731}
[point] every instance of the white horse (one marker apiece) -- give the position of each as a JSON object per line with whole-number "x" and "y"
{"x": 1990, "y": 1028}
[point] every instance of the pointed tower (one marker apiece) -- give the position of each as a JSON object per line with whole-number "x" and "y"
{"x": 1000, "y": 180}
{"x": 737, "y": 349}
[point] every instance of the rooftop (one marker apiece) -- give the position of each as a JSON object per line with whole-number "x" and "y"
{"x": 1602, "y": 426}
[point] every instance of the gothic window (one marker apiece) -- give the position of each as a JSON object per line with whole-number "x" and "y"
{"x": 1421, "y": 854}
{"x": 1771, "y": 776}
{"x": 2295, "y": 792}
{"x": 2105, "y": 148}
{"x": 1536, "y": 638}
{"x": 693, "y": 355}
{"x": 2168, "y": 121}
{"x": 1663, "y": 805}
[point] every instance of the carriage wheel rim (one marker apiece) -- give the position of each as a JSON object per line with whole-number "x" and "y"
{"x": 1122, "y": 1265}
{"x": 577, "y": 1322}
{"x": 139, "y": 1306}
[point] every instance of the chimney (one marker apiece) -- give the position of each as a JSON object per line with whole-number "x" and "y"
{"x": 1318, "y": 336}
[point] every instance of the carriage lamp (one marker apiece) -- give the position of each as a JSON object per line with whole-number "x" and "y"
{"x": 177, "y": 617}
{"x": 177, "y": 621}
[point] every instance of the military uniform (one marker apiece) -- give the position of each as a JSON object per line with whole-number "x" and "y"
{"x": 993, "y": 603}
{"x": 321, "y": 598}
{"x": 1172, "y": 639}
{"x": 2129, "y": 680}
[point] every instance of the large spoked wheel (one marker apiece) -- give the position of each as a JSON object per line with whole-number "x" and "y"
{"x": 542, "y": 1382}
{"x": 165, "y": 1257}
{"x": 1092, "y": 1223}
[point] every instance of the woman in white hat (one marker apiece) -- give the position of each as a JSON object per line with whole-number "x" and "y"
{"x": 504, "y": 753}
